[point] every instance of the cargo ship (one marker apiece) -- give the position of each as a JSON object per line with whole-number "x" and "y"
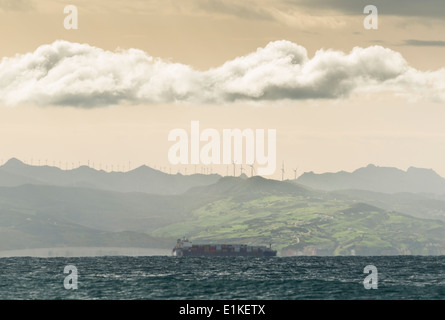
{"x": 185, "y": 248}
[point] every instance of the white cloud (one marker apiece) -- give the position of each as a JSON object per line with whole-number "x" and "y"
{"x": 65, "y": 73}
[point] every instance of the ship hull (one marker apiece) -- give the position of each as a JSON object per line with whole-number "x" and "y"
{"x": 225, "y": 254}
{"x": 197, "y": 253}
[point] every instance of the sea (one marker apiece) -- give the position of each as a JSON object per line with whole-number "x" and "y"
{"x": 222, "y": 278}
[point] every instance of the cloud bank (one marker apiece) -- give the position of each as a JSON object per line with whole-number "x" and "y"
{"x": 424, "y": 43}
{"x": 80, "y": 75}
{"x": 16, "y": 5}
{"x": 402, "y": 8}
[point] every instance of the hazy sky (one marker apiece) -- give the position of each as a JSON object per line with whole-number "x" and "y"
{"x": 111, "y": 91}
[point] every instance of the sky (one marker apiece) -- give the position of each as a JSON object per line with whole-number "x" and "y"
{"x": 338, "y": 95}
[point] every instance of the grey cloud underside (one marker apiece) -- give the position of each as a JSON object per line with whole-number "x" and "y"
{"x": 16, "y": 5}
{"x": 409, "y": 8}
{"x": 424, "y": 43}
{"x": 241, "y": 9}
{"x": 267, "y": 9}
{"x": 80, "y": 75}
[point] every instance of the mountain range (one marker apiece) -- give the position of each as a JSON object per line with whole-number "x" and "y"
{"x": 378, "y": 179}
{"x": 142, "y": 179}
{"x": 148, "y": 180}
{"x": 370, "y": 211}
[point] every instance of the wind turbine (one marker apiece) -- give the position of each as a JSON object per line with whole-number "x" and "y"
{"x": 252, "y": 169}
{"x": 234, "y": 168}
{"x": 295, "y": 173}
{"x": 282, "y": 172}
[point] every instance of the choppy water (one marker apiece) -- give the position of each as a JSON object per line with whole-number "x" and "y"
{"x": 162, "y": 277}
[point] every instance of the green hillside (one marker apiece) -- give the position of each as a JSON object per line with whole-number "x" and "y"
{"x": 310, "y": 225}
{"x": 295, "y": 219}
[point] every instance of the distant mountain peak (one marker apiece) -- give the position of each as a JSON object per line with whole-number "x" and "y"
{"x": 13, "y": 162}
{"x": 255, "y": 186}
{"x": 145, "y": 168}
{"x": 378, "y": 179}
{"x": 243, "y": 176}
{"x": 84, "y": 168}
